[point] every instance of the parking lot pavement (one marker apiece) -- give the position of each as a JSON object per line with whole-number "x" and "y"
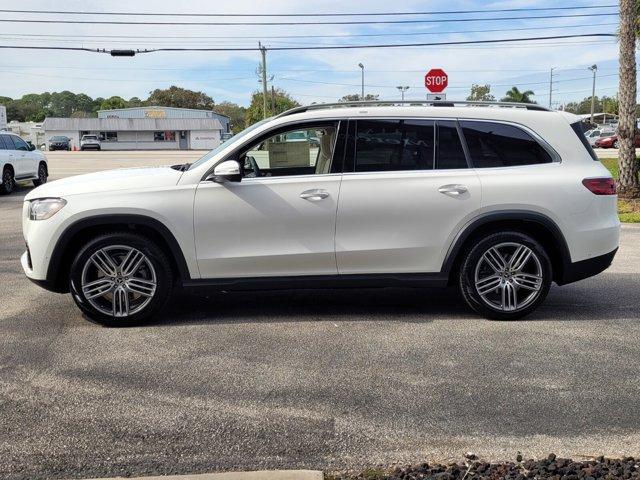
{"x": 64, "y": 164}
{"x": 312, "y": 379}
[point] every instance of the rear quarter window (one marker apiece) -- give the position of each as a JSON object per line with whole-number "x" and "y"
{"x": 578, "y": 129}
{"x": 501, "y": 145}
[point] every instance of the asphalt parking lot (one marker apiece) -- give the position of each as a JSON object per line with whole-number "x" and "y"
{"x": 309, "y": 379}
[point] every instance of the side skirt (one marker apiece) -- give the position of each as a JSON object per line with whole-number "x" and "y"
{"x": 419, "y": 280}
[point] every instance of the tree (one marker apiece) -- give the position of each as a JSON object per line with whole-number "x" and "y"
{"x": 278, "y": 98}
{"x": 481, "y": 93}
{"x": 515, "y": 95}
{"x": 603, "y": 104}
{"x": 369, "y": 97}
{"x": 236, "y": 115}
{"x": 135, "y": 102}
{"x": 628, "y": 182}
{"x": 112, "y": 103}
{"x": 180, "y": 98}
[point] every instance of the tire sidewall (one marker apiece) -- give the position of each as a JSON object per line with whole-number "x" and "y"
{"x": 156, "y": 256}
{"x": 8, "y": 184}
{"x": 467, "y": 274}
{"x": 39, "y": 182}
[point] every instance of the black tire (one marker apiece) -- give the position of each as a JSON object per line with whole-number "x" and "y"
{"x": 8, "y": 181}
{"x": 43, "y": 174}
{"x": 160, "y": 265}
{"x": 474, "y": 261}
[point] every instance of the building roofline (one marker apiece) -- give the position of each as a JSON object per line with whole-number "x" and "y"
{"x": 160, "y": 106}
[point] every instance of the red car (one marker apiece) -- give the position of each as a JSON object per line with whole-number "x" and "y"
{"x": 612, "y": 142}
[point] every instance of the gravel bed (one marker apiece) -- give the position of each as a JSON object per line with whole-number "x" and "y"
{"x": 551, "y": 467}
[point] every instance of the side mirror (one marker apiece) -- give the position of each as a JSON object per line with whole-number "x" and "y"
{"x": 32, "y": 147}
{"x": 227, "y": 171}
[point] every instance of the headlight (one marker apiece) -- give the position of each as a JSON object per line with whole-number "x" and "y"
{"x": 44, "y": 208}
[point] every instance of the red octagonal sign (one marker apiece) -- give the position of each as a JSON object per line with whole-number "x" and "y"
{"x": 436, "y": 80}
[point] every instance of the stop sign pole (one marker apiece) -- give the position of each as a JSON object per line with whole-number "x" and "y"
{"x": 436, "y": 80}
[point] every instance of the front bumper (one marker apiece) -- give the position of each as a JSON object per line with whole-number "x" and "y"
{"x": 575, "y": 271}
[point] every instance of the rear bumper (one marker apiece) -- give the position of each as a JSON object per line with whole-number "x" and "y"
{"x": 586, "y": 268}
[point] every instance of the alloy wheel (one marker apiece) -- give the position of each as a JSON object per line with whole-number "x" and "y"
{"x": 508, "y": 277}
{"x": 118, "y": 280}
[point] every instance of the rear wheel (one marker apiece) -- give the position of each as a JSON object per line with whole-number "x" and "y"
{"x": 42, "y": 175}
{"x": 616, "y": 144}
{"x": 505, "y": 276}
{"x": 8, "y": 182}
{"x": 121, "y": 279}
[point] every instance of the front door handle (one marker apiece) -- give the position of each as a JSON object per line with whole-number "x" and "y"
{"x": 314, "y": 195}
{"x": 453, "y": 190}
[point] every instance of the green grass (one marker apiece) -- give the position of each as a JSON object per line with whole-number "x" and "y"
{"x": 628, "y": 210}
{"x": 612, "y": 166}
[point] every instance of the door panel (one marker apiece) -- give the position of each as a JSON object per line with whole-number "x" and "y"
{"x": 396, "y": 222}
{"x": 263, "y": 226}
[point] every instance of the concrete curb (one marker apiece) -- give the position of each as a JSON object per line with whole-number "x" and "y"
{"x": 257, "y": 475}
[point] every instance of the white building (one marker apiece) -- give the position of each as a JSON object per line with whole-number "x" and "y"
{"x": 144, "y": 128}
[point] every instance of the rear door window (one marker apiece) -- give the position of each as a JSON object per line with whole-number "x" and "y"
{"x": 394, "y": 145}
{"x": 501, "y": 145}
{"x": 4, "y": 145}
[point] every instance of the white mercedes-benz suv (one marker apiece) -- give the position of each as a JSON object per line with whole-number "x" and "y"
{"x": 500, "y": 199}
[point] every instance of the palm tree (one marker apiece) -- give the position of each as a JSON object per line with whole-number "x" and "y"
{"x": 628, "y": 182}
{"x": 515, "y": 95}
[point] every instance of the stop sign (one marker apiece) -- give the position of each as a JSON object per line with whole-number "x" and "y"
{"x": 436, "y": 80}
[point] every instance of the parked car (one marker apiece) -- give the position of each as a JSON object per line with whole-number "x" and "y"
{"x": 59, "y": 143}
{"x": 593, "y": 135}
{"x": 20, "y": 161}
{"x": 90, "y": 142}
{"x": 499, "y": 200}
{"x": 611, "y": 141}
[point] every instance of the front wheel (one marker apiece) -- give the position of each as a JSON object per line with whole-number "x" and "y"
{"x": 616, "y": 144}
{"x": 121, "y": 279}
{"x": 42, "y": 175}
{"x": 505, "y": 276}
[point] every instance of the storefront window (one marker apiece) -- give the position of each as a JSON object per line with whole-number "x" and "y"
{"x": 166, "y": 136}
{"x": 109, "y": 136}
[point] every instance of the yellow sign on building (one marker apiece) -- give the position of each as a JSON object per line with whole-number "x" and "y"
{"x": 155, "y": 114}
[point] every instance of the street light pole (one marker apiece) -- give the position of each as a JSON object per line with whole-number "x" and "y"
{"x": 594, "y": 69}
{"x": 362, "y": 89}
{"x": 402, "y": 90}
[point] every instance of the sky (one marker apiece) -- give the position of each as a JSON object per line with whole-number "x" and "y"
{"x": 308, "y": 75}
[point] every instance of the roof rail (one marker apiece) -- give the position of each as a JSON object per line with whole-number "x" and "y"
{"x": 412, "y": 103}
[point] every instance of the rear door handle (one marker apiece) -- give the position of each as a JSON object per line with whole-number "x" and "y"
{"x": 314, "y": 195}
{"x": 453, "y": 190}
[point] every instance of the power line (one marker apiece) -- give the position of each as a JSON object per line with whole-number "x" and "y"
{"x": 316, "y": 47}
{"x": 350, "y": 22}
{"x": 343, "y": 14}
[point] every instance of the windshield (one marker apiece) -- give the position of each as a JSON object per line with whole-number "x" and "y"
{"x": 89, "y": 137}
{"x": 233, "y": 140}
{"x": 58, "y": 139}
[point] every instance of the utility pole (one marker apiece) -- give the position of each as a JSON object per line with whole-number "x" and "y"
{"x": 550, "y": 86}
{"x": 594, "y": 69}
{"x": 402, "y": 90}
{"x": 263, "y": 51}
{"x": 362, "y": 90}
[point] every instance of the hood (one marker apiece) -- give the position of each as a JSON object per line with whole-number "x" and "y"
{"x": 108, "y": 181}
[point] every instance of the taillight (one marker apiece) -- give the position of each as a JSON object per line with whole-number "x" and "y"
{"x": 600, "y": 186}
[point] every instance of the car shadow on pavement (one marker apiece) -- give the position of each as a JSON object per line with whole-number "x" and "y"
{"x": 381, "y": 304}
{"x": 610, "y": 296}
